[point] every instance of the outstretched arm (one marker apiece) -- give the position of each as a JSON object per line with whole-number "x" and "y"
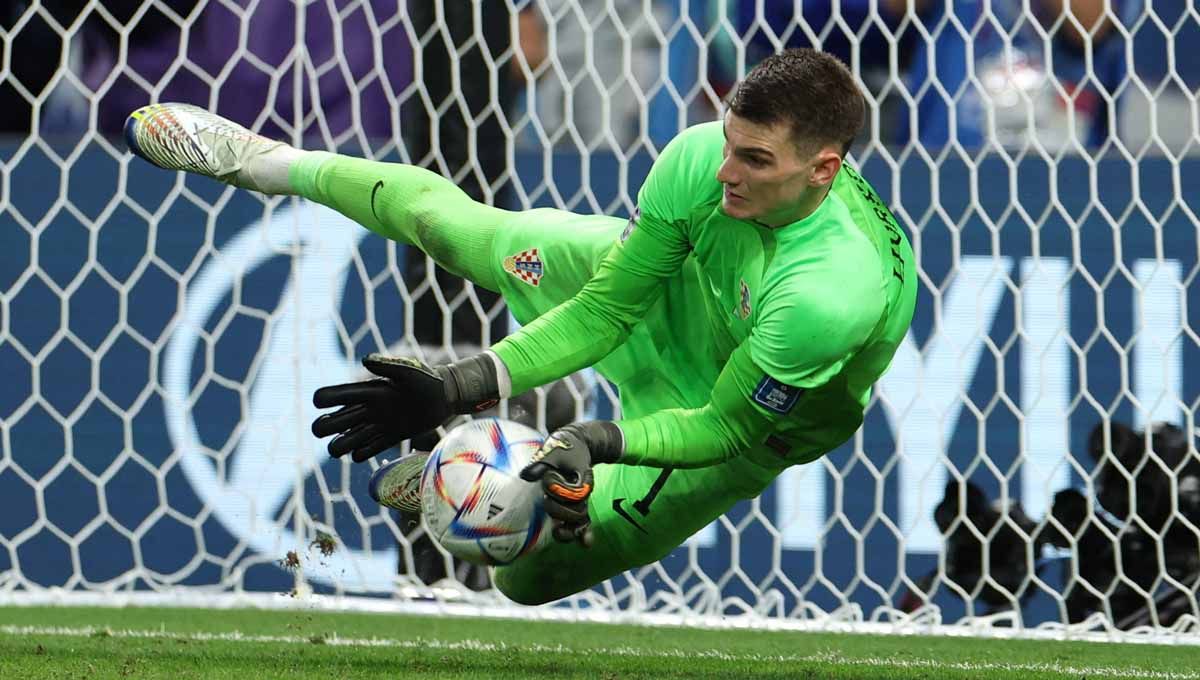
{"x": 743, "y": 408}
{"x": 586, "y": 328}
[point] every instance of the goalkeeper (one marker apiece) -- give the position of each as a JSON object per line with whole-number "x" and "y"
{"x": 744, "y": 311}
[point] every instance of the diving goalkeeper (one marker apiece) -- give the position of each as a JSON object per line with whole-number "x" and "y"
{"x": 744, "y": 311}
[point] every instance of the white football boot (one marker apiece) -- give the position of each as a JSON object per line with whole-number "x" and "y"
{"x": 397, "y": 484}
{"x": 191, "y": 139}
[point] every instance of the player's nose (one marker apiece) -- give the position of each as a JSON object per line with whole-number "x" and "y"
{"x": 727, "y": 174}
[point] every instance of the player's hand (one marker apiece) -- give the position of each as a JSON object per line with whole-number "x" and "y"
{"x": 564, "y": 467}
{"x": 407, "y": 399}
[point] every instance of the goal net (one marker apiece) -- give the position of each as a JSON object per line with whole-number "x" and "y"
{"x": 1027, "y": 463}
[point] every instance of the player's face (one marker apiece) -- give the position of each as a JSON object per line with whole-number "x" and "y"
{"x": 766, "y": 177}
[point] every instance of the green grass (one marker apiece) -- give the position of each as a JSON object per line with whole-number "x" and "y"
{"x": 172, "y": 643}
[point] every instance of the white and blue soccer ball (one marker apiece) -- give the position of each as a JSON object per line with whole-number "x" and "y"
{"x": 473, "y": 500}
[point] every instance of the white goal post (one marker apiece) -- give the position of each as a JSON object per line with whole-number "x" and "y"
{"x": 1028, "y": 463}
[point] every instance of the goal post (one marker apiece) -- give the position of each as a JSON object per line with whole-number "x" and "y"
{"x": 1027, "y": 464}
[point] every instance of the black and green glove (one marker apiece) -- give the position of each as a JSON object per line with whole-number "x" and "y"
{"x": 407, "y": 399}
{"x": 564, "y": 467}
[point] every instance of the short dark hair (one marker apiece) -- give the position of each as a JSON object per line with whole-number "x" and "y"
{"x": 811, "y": 91}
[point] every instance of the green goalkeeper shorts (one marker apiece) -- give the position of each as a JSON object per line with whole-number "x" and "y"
{"x": 639, "y": 514}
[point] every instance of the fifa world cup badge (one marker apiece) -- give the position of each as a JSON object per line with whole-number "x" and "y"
{"x": 526, "y": 265}
{"x": 776, "y": 396}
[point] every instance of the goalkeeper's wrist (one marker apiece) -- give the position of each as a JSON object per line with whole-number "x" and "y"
{"x": 471, "y": 384}
{"x": 605, "y": 441}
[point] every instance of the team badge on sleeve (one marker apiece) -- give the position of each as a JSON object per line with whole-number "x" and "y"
{"x": 775, "y": 396}
{"x": 526, "y": 265}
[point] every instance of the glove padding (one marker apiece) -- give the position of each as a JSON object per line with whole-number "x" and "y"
{"x": 408, "y": 399}
{"x": 563, "y": 465}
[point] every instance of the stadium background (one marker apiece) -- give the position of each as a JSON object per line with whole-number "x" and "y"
{"x": 96, "y": 351}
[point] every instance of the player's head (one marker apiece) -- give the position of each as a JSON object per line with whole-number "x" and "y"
{"x": 789, "y": 124}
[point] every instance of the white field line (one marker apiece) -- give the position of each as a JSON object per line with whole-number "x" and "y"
{"x": 990, "y": 627}
{"x": 480, "y": 646}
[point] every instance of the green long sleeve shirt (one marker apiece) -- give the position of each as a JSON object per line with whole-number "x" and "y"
{"x": 773, "y": 335}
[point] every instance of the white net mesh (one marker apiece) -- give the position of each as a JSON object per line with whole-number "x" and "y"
{"x": 161, "y": 335}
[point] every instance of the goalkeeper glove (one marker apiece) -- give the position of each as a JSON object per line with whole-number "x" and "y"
{"x": 564, "y": 467}
{"x": 407, "y": 399}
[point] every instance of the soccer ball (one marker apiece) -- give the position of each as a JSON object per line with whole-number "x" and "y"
{"x": 473, "y": 500}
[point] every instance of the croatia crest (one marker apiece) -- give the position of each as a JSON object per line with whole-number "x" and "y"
{"x": 526, "y": 265}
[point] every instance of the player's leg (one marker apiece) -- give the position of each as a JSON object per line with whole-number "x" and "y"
{"x": 401, "y": 202}
{"x": 536, "y": 259}
{"x": 409, "y": 205}
{"x": 639, "y": 515}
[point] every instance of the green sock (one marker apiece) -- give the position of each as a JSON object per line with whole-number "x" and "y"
{"x": 409, "y": 205}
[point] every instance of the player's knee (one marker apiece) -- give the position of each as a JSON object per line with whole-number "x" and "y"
{"x": 525, "y": 591}
{"x": 442, "y": 230}
{"x": 432, "y": 236}
{"x": 543, "y": 578}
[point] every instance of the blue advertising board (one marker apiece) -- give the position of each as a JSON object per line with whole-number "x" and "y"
{"x": 161, "y": 337}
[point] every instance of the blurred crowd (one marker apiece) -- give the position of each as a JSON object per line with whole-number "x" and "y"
{"x": 1070, "y": 74}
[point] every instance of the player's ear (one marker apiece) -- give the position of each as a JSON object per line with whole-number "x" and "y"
{"x": 826, "y": 165}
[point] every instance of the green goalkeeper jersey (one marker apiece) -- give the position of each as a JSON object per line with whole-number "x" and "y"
{"x": 765, "y": 341}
